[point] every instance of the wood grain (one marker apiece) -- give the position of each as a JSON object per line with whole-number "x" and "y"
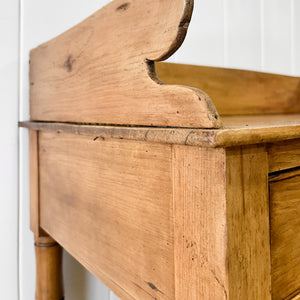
{"x": 285, "y": 234}
{"x": 101, "y": 71}
{"x": 200, "y": 223}
{"x": 34, "y": 182}
{"x": 160, "y": 216}
{"x": 249, "y": 265}
{"x": 238, "y": 130}
{"x": 109, "y": 204}
{"x": 284, "y": 155}
{"x": 237, "y": 91}
{"x": 49, "y": 282}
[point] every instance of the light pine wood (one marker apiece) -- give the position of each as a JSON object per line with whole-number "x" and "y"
{"x": 237, "y": 91}
{"x": 249, "y": 265}
{"x": 285, "y": 234}
{"x": 296, "y": 297}
{"x": 284, "y": 155}
{"x": 242, "y": 122}
{"x": 49, "y": 284}
{"x": 34, "y": 182}
{"x": 200, "y": 223}
{"x": 258, "y": 129}
{"x": 237, "y": 130}
{"x": 35, "y": 186}
{"x": 101, "y": 71}
{"x": 109, "y": 203}
{"x": 160, "y": 217}
{"x": 142, "y": 182}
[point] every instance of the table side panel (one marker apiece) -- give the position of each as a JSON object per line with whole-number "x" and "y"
{"x": 109, "y": 203}
{"x": 34, "y": 181}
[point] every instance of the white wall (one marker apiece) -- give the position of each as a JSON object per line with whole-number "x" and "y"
{"x": 9, "y": 37}
{"x": 261, "y": 35}
{"x": 248, "y": 34}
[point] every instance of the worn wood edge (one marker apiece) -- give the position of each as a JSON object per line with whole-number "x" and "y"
{"x": 181, "y": 136}
{"x": 179, "y": 39}
{"x": 210, "y": 110}
{"x": 239, "y": 137}
{"x": 182, "y": 30}
{"x": 284, "y": 175}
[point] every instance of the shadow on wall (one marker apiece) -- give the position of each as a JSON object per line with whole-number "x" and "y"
{"x": 75, "y": 283}
{"x": 82, "y": 285}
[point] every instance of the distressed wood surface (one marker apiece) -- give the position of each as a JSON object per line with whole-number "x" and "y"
{"x": 285, "y": 234}
{"x": 200, "y": 223}
{"x": 237, "y": 131}
{"x": 201, "y": 217}
{"x": 34, "y": 181}
{"x": 109, "y": 204}
{"x": 102, "y": 71}
{"x": 249, "y": 262}
{"x": 237, "y": 91}
{"x": 284, "y": 155}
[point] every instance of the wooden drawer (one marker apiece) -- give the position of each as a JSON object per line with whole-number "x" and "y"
{"x": 284, "y": 155}
{"x": 285, "y": 234}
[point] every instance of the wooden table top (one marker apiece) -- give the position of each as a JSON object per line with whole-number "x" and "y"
{"x": 236, "y": 130}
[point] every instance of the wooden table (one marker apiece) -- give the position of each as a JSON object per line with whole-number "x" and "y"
{"x": 158, "y": 191}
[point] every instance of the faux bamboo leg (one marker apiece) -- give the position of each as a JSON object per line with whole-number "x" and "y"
{"x": 49, "y": 284}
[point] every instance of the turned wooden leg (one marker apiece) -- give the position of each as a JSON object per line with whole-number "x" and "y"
{"x": 49, "y": 284}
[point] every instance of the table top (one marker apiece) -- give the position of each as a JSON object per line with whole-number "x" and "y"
{"x": 236, "y": 130}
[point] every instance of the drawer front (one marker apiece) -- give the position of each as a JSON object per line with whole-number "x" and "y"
{"x": 284, "y": 155}
{"x": 285, "y": 234}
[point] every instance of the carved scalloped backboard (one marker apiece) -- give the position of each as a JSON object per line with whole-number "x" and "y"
{"x": 102, "y": 70}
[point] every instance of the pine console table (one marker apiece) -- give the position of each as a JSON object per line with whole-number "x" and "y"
{"x": 158, "y": 191}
